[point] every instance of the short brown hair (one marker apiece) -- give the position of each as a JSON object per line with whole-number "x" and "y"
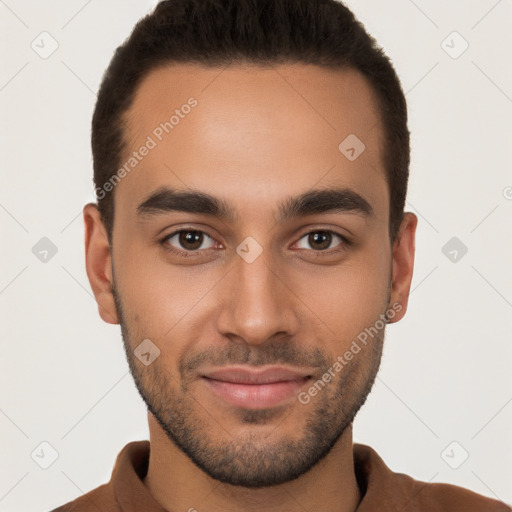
{"x": 219, "y": 32}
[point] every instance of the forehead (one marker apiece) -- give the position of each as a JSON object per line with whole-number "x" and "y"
{"x": 253, "y": 134}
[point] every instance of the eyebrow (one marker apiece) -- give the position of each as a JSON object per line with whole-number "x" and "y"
{"x": 332, "y": 200}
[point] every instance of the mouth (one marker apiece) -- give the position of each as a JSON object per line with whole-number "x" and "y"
{"x": 255, "y": 389}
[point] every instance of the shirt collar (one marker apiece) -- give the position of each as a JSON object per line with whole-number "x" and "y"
{"x": 381, "y": 488}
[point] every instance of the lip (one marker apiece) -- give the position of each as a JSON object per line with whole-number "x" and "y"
{"x": 255, "y": 389}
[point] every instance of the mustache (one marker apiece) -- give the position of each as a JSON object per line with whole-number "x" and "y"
{"x": 238, "y": 354}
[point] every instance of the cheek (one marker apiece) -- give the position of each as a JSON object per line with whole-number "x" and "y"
{"x": 159, "y": 298}
{"x": 349, "y": 297}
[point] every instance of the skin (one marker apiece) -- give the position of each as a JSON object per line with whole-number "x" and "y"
{"x": 258, "y": 136}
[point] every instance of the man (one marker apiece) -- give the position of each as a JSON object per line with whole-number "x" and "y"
{"x": 251, "y": 164}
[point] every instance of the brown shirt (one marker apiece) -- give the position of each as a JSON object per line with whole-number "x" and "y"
{"x": 382, "y": 489}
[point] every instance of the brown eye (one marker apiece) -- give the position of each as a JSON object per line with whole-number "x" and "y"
{"x": 189, "y": 240}
{"x": 319, "y": 240}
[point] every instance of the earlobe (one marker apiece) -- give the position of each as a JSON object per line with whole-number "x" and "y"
{"x": 98, "y": 262}
{"x": 403, "y": 265}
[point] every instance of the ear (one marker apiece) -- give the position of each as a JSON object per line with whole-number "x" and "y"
{"x": 403, "y": 264}
{"x": 98, "y": 262}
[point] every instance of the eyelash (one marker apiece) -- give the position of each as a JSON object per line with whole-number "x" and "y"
{"x": 345, "y": 242}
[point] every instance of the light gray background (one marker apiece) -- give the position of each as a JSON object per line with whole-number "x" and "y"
{"x": 445, "y": 374}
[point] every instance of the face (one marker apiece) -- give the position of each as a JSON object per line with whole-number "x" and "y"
{"x": 255, "y": 256}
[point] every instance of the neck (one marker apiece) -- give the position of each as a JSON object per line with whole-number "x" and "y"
{"x": 178, "y": 484}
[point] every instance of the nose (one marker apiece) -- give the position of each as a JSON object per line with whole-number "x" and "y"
{"x": 258, "y": 303}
